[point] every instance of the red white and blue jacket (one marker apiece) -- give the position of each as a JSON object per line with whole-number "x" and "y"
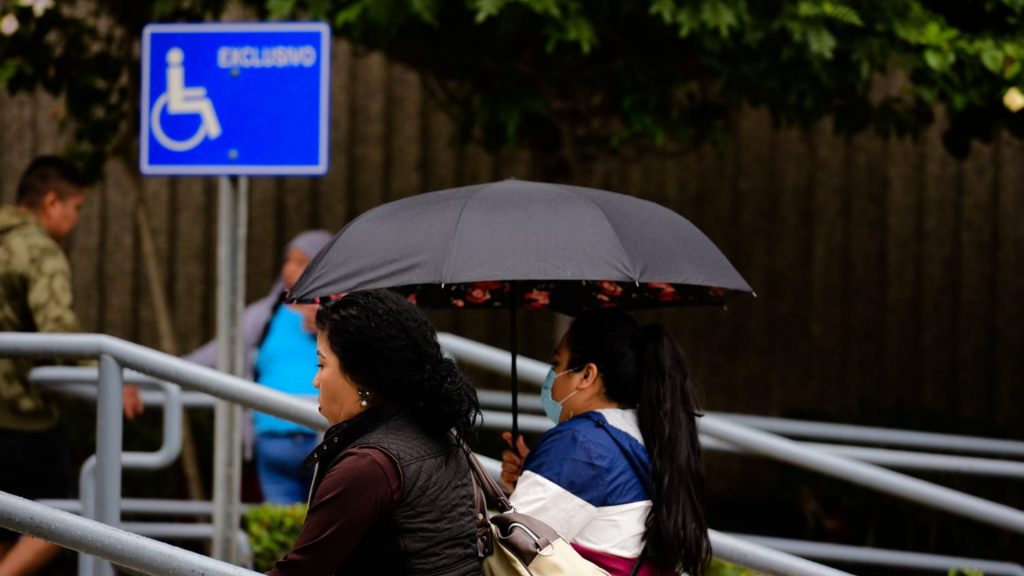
{"x": 588, "y": 479}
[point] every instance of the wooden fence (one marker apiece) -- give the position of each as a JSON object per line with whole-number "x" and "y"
{"x": 889, "y": 276}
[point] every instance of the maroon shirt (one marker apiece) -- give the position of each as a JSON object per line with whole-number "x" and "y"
{"x": 364, "y": 485}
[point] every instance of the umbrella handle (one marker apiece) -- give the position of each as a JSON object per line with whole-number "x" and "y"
{"x": 514, "y": 383}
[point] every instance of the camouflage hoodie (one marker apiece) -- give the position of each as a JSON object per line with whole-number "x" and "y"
{"x": 35, "y": 296}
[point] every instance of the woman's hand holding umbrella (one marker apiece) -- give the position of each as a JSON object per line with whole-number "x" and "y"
{"x": 511, "y": 461}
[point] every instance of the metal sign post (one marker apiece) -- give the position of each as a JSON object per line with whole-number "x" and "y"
{"x": 232, "y": 232}
{"x": 233, "y": 100}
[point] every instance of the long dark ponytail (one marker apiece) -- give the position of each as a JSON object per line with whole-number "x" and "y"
{"x": 643, "y": 367}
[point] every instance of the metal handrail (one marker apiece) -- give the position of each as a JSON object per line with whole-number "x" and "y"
{"x": 112, "y": 351}
{"x": 800, "y": 454}
{"x": 883, "y": 557}
{"x": 144, "y": 506}
{"x": 821, "y": 551}
{"x": 815, "y": 457}
{"x": 75, "y": 381}
{"x": 497, "y": 360}
{"x": 81, "y": 382}
{"x": 165, "y": 367}
{"x": 880, "y": 479}
{"x": 119, "y": 546}
{"x": 774, "y": 561}
{"x": 900, "y": 459}
{"x": 849, "y": 433}
{"x": 705, "y": 426}
{"x": 114, "y": 354}
{"x": 168, "y": 452}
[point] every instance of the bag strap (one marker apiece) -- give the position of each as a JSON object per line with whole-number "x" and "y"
{"x": 642, "y": 475}
{"x": 645, "y": 480}
{"x": 484, "y": 537}
{"x": 492, "y": 493}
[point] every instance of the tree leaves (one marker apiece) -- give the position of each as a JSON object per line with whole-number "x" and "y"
{"x": 587, "y": 75}
{"x": 605, "y": 71}
{"x": 827, "y": 10}
{"x": 280, "y": 9}
{"x": 939, "y": 60}
{"x": 722, "y": 17}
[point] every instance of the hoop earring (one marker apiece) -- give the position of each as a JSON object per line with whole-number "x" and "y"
{"x": 363, "y": 395}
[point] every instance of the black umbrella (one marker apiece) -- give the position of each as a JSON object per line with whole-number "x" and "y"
{"x": 520, "y": 244}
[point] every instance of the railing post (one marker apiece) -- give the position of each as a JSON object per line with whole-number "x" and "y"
{"x": 87, "y": 497}
{"x": 227, "y": 475}
{"x": 109, "y": 431}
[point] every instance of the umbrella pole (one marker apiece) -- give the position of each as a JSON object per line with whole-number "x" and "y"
{"x": 514, "y": 383}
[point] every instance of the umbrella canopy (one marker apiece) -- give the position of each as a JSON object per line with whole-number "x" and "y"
{"x": 531, "y": 244}
{"x": 520, "y": 244}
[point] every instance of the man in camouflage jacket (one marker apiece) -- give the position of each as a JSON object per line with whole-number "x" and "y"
{"x": 35, "y": 296}
{"x": 35, "y": 284}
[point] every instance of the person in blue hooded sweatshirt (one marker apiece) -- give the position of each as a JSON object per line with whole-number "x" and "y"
{"x": 280, "y": 343}
{"x": 620, "y": 475}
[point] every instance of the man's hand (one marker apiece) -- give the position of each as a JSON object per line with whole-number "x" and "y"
{"x": 308, "y": 312}
{"x": 512, "y": 460}
{"x": 132, "y": 402}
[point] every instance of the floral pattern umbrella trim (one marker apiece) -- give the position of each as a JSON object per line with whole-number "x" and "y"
{"x": 567, "y": 296}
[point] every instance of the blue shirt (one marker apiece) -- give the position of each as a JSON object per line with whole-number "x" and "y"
{"x": 286, "y": 361}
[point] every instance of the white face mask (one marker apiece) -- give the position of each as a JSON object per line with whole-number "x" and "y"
{"x": 552, "y": 407}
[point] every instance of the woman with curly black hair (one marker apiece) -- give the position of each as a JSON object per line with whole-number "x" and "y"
{"x": 392, "y": 492}
{"x": 620, "y": 475}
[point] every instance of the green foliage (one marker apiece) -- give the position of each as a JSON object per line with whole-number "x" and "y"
{"x": 723, "y": 568}
{"x": 272, "y": 530}
{"x": 576, "y": 77}
{"x": 86, "y": 52}
{"x": 599, "y": 74}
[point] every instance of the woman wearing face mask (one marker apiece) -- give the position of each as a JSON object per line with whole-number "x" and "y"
{"x": 620, "y": 475}
{"x": 392, "y": 493}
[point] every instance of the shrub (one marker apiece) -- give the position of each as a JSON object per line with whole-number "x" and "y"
{"x": 272, "y": 530}
{"x": 723, "y": 568}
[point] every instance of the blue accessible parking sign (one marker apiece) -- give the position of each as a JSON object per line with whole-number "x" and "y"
{"x": 235, "y": 99}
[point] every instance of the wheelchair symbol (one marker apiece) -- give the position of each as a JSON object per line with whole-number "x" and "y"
{"x": 180, "y": 100}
